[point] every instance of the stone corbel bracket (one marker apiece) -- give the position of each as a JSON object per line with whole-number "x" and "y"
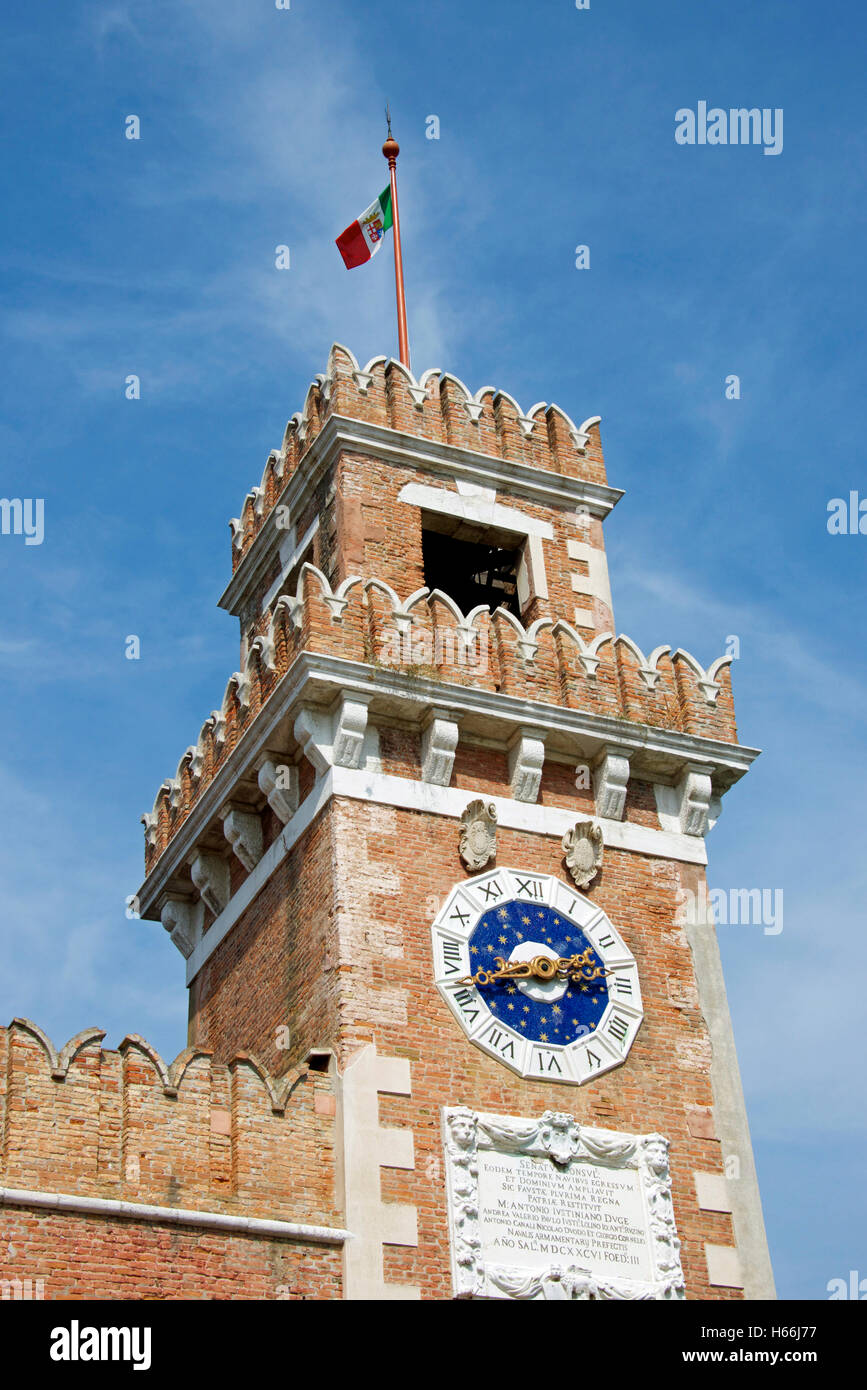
{"x": 278, "y": 783}
{"x": 526, "y": 760}
{"x": 439, "y": 743}
{"x": 694, "y": 795}
{"x": 334, "y": 738}
{"x": 243, "y": 830}
{"x": 151, "y": 822}
{"x": 327, "y": 699}
{"x": 610, "y": 781}
{"x": 210, "y": 875}
{"x": 182, "y": 921}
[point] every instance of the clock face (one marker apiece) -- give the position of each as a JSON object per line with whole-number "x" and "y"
{"x": 554, "y": 1022}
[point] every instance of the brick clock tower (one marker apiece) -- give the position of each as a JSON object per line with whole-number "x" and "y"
{"x": 454, "y": 1029}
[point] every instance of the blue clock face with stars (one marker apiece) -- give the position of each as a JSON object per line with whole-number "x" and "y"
{"x": 537, "y": 975}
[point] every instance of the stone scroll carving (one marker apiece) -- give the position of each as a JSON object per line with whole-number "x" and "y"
{"x": 567, "y": 1243}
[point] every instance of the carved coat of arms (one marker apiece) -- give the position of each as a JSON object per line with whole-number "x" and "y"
{"x": 582, "y": 846}
{"x": 478, "y": 844}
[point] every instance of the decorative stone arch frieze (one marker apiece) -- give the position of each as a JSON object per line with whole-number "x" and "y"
{"x": 59, "y": 1061}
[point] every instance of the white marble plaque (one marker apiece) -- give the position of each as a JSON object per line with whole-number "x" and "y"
{"x": 552, "y": 1209}
{"x": 532, "y": 1211}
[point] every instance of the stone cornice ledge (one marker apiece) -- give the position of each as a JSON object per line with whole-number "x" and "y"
{"x": 427, "y": 455}
{"x": 318, "y": 679}
{"x": 176, "y": 1216}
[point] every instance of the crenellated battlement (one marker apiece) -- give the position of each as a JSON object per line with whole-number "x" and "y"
{"x": 123, "y": 1125}
{"x": 438, "y": 407}
{"x": 427, "y": 636}
{"x": 427, "y": 565}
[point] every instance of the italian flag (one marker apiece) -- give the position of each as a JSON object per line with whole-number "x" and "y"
{"x": 364, "y": 237}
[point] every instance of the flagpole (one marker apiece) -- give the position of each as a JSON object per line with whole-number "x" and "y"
{"x": 391, "y": 149}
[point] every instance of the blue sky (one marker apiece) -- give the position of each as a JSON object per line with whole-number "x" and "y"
{"x": 156, "y": 257}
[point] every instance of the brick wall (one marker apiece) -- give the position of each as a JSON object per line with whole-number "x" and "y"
{"x": 391, "y": 870}
{"x": 200, "y": 1136}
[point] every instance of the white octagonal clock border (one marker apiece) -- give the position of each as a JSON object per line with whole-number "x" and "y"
{"x": 576, "y": 1062}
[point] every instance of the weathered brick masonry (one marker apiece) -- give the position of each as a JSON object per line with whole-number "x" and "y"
{"x": 197, "y": 1138}
{"x": 308, "y": 838}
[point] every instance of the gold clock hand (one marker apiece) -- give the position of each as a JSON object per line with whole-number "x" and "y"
{"x": 576, "y": 967}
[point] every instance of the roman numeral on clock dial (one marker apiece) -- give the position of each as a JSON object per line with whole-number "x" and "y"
{"x": 455, "y": 957}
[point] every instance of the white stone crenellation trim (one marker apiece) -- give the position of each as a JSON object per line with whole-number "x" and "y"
{"x": 419, "y": 389}
{"x": 401, "y": 610}
{"x": 59, "y": 1061}
{"x": 648, "y": 665}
